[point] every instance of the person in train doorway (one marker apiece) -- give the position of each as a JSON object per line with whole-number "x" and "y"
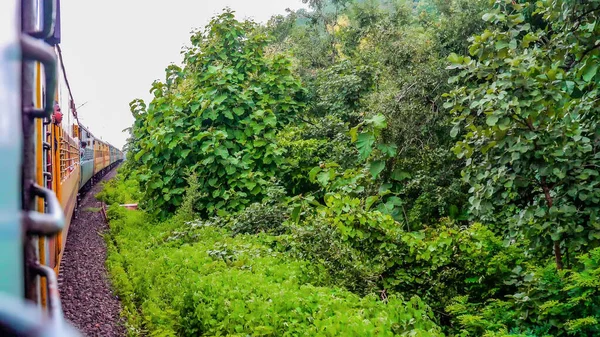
{"x": 56, "y": 119}
{"x": 57, "y": 115}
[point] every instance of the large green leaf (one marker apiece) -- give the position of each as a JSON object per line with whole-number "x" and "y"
{"x": 590, "y": 70}
{"x": 364, "y": 144}
{"x": 376, "y": 167}
{"x": 377, "y": 121}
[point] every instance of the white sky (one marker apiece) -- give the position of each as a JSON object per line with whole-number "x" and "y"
{"x": 114, "y": 49}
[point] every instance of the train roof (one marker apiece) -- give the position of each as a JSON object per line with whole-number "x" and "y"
{"x": 97, "y": 139}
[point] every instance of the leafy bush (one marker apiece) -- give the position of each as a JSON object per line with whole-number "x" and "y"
{"x": 120, "y": 191}
{"x": 234, "y": 286}
{"x": 218, "y": 116}
{"x": 339, "y": 89}
{"x": 266, "y": 217}
{"x": 368, "y": 252}
{"x": 547, "y": 303}
{"x": 318, "y": 141}
{"x": 317, "y": 239}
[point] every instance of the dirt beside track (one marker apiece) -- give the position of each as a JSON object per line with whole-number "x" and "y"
{"x": 87, "y": 298}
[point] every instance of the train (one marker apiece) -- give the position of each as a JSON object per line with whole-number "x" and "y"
{"x": 48, "y": 159}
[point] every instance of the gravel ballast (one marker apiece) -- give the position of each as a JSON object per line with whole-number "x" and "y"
{"x": 87, "y": 298}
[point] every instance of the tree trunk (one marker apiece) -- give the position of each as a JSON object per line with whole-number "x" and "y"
{"x": 558, "y": 255}
{"x": 556, "y": 247}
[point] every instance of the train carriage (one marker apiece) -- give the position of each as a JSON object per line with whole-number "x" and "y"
{"x": 66, "y": 168}
{"x": 87, "y": 157}
{"x": 101, "y": 156}
{"x": 112, "y": 154}
{"x": 48, "y": 158}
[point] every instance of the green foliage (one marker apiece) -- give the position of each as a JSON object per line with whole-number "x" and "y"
{"x": 378, "y": 67}
{"x": 351, "y": 241}
{"x": 311, "y": 145}
{"x": 455, "y": 22}
{"x": 339, "y": 89}
{"x": 218, "y": 284}
{"x": 405, "y": 57}
{"x": 218, "y": 116}
{"x": 120, "y": 190}
{"x": 266, "y": 217}
{"x": 319, "y": 157}
{"x": 368, "y": 252}
{"x": 548, "y": 303}
{"x": 528, "y": 119}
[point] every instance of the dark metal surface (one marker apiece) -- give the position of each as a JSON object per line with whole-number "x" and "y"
{"x": 55, "y": 37}
{"x": 49, "y": 19}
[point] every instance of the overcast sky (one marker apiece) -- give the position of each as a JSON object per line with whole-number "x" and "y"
{"x": 114, "y": 49}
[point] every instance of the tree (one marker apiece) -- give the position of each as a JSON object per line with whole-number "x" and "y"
{"x": 527, "y": 112}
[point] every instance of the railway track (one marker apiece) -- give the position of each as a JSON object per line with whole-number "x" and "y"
{"x": 87, "y": 298}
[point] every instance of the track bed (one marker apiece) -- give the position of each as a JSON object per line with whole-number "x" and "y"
{"x": 87, "y": 299}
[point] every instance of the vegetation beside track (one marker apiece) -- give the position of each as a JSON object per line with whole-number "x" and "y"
{"x": 181, "y": 278}
{"x": 427, "y": 154}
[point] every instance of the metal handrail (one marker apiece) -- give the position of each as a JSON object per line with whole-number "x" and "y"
{"x": 36, "y": 50}
{"x": 45, "y": 224}
{"x": 49, "y": 21}
{"x": 54, "y": 306}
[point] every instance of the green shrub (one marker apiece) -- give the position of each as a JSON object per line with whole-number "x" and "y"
{"x": 120, "y": 191}
{"x": 260, "y": 218}
{"x": 548, "y": 302}
{"x": 117, "y": 264}
{"x": 193, "y": 278}
{"x": 234, "y": 286}
{"x": 265, "y": 217}
{"x": 340, "y": 87}
{"x": 367, "y": 251}
{"x": 316, "y": 240}
{"x": 318, "y": 141}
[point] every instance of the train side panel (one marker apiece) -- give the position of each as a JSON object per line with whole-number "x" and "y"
{"x": 69, "y": 187}
{"x": 106, "y": 154}
{"x": 98, "y": 157}
{"x": 87, "y": 166}
{"x": 87, "y": 158}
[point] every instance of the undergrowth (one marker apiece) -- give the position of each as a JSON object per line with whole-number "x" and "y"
{"x": 190, "y": 278}
{"x": 120, "y": 190}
